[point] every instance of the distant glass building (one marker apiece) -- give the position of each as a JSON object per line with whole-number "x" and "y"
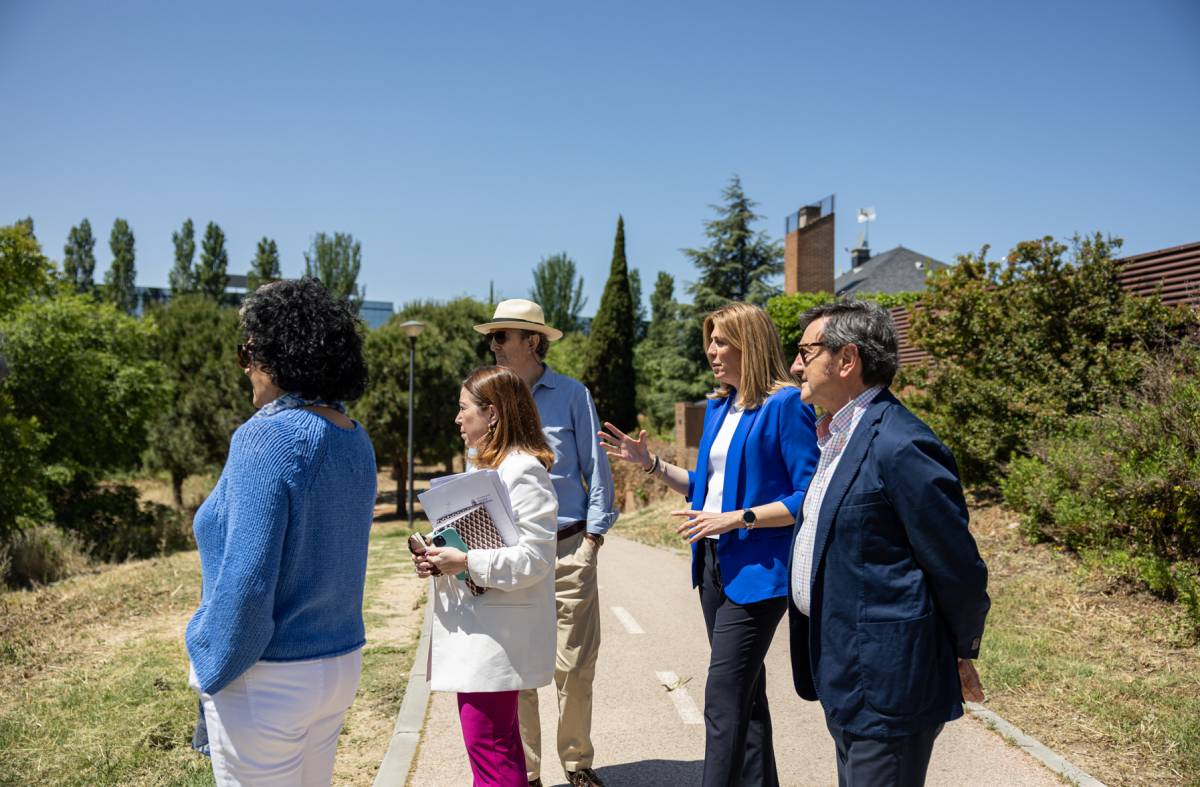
{"x": 374, "y": 313}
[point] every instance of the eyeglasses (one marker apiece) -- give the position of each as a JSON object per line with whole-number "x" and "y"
{"x": 245, "y": 354}
{"x": 809, "y": 350}
{"x": 500, "y": 337}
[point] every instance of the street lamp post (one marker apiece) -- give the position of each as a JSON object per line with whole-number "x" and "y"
{"x": 412, "y": 329}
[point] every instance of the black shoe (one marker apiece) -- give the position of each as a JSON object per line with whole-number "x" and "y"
{"x": 535, "y": 783}
{"x": 584, "y": 777}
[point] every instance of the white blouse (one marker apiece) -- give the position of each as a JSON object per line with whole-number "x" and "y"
{"x": 717, "y": 456}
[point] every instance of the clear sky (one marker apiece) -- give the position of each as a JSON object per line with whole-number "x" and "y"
{"x": 463, "y": 141}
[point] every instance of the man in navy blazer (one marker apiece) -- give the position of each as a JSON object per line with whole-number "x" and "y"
{"x": 887, "y": 591}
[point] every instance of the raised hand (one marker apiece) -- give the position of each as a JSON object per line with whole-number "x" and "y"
{"x": 619, "y": 445}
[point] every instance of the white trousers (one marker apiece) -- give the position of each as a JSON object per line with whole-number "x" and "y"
{"x": 278, "y": 722}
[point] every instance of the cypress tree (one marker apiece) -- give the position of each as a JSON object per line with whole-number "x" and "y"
{"x": 79, "y": 257}
{"x": 608, "y": 370}
{"x": 183, "y": 277}
{"x": 211, "y": 276}
{"x": 121, "y": 277}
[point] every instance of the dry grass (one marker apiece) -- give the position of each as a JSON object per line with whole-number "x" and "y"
{"x": 1107, "y": 677}
{"x": 93, "y": 685}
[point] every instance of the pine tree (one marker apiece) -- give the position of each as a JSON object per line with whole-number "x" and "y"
{"x": 79, "y": 257}
{"x": 335, "y": 262}
{"x": 183, "y": 276}
{"x": 557, "y": 290}
{"x": 609, "y": 371}
{"x": 265, "y": 266}
{"x": 738, "y": 263}
{"x": 211, "y": 276}
{"x": 120, "y": 281}
{"x": 639, "y": 308}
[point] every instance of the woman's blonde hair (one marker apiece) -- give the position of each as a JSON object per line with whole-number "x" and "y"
{"x": 750, "y": 331}
{"x": 518, "y": 427}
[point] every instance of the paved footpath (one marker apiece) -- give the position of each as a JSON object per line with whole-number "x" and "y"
{"x": 653, "y": 633}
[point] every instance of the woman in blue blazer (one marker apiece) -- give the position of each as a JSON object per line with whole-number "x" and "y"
{"x": 756, "y": 457}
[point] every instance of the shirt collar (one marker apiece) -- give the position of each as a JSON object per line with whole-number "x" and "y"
{"x": 847, "y": 416}
{"x": 549, "y": 377}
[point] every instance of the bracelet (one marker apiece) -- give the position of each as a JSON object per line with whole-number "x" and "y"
{"x": 654, "y": 467}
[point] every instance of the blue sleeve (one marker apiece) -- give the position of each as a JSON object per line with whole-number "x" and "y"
{"x": 926, "y": 494}
{"x": 593, "y": 465}
{"x": 235, "y": 623}
{"x": 798, "y": 443}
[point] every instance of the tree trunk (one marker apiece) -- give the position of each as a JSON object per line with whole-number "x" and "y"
{"x": 177, "y": 480}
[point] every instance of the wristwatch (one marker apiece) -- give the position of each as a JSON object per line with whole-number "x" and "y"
{"x": 749, "y": 519}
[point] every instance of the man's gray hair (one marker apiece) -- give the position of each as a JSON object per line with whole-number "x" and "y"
{"x": 866, "y": 325}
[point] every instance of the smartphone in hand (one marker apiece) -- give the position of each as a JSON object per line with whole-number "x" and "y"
{"x": 416, "y": 545}
{"x": 449, "y": 537}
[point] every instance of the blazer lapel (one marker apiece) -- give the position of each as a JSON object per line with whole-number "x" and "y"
{"x": 731, "y": 494}
{"x": 847, "y": 470}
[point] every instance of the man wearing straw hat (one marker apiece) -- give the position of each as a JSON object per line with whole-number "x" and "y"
{"x": 583, "y": 482}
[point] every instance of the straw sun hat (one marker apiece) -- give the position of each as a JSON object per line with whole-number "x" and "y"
{"x": 520, "y": 314}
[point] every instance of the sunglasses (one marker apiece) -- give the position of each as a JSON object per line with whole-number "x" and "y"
{"x": 500, "y": 337}
{"x": 245, "y": 353}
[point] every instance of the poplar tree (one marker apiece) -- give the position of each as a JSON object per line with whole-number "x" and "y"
{"x": 608, "y": 371}
{"x": 79, "y": 258}
{"x": 211, "y": 276}
{"x": 335, "y": 262}
{"x": 119, "y": 282}
{"x": 558, "y": 291}
{"x": 265, "y": 266}
{"x": 183, "y": 276}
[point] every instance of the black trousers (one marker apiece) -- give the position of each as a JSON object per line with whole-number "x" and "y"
{"x": 738, "y": 749}
{"x": 866, "y": 762}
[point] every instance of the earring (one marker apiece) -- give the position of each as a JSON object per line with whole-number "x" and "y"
{"x": 492, "y": 428}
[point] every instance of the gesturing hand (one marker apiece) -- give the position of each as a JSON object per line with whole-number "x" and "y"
{"x": 619, "y": 445}
{"x": 705, "y": 523}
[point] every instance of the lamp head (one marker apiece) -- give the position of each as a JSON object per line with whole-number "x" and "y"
{"x": 412, "y": 328}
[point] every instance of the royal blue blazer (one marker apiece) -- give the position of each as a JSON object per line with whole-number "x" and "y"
{"x": 772, "y": 457}
{"x": 898, "y": 589}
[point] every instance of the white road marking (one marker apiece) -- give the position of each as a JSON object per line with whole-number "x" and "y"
{"x": 631, "y": 625}
{"x": 683, "y": 701}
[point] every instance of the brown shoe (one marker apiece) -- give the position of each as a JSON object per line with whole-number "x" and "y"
{"x": 584, "y": 777}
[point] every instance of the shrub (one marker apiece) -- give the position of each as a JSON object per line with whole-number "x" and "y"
{"x": 1020, "y": 348}
{"x": 40, "y": 555}
{"x": 114, "y": 526}
{"x": 1125, "y": 482}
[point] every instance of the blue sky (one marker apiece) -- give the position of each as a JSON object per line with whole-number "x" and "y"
{"x": 462, "y": 142}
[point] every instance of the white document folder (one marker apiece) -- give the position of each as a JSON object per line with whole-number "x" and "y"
{"x": 452, "y": 493}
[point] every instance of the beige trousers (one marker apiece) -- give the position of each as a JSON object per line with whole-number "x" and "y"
{"x": 578, "y": 602}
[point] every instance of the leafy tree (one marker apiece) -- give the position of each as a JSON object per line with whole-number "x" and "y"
{"x": 738, "y": 263}
{"x": 27, "y": 224}
{"x": 557, "y": 290}
{"x": 446, "y": 352}
{"x": 183, "y": 276}
{"x": 24, "y": 270}
{"x": 22, "y": 476}
{"x": 567, "y": 355}
{"x": 120, "y": 281}
{"x": 265, "y": 267}
{"x": 608, "y": 371}
{"x": 335, "y": 261}
{"x": 196, "y": 341}
{"x": 1019, "y": 348}
{"x": 665, "y": 373}
{"x": 79, "y": 258}
{"x": 83, "y": 372}
{"x": 211, "y": 272}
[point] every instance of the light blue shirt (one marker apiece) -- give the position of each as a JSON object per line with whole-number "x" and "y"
{"x": 581, "y": 476}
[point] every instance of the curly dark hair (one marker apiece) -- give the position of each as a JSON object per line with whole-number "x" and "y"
{"x": 307, "y": 340}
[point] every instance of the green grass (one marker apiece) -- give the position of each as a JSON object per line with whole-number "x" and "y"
{"x": 93, "y": 676}
{"x": 1104, "y": 675}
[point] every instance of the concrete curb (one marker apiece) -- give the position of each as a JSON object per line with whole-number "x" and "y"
{"x": 397, "y": 762}
{"x": 1034, "y": 748}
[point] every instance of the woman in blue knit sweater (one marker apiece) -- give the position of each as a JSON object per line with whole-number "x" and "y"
{"x": 276, "y": 644}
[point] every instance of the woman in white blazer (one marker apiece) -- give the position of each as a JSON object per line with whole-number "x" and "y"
{"x": 489, "y": 647}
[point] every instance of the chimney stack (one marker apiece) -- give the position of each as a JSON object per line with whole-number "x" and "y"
{"x": 808, "y": 249}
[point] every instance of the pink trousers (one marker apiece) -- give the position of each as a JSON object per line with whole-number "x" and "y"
{"x": 493, "y": 738}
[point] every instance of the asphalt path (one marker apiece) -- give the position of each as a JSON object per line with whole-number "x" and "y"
{"x": 647, "y": 734}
